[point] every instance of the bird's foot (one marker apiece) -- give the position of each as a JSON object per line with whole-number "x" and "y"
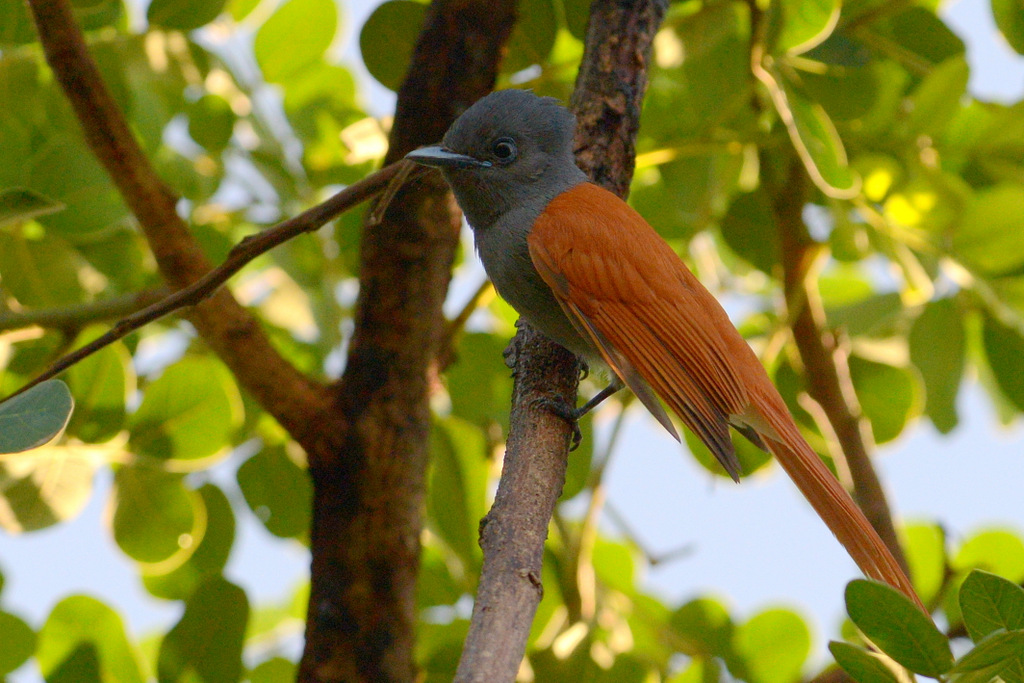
{"x": 560, "y": 408}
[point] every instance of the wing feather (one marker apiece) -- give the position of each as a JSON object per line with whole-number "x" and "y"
{"x": 640, "y": 305}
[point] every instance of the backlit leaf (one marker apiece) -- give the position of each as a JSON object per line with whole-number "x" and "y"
{"x": 206, "y": 645}
{"x": 926, "y": 554}
{"x": 278, "y": 491}
{"x": 294, "y": 37}
{"x": 188, "y": 413}
{"x": 937, "y": 348}
{"x": 79, "y": 624}
{"x": 157, "y": 521}
{"x": 805, "y": 24}
{"x": 889, "y": 396}
{"x": 100, "y": 384}
{"x": 209, "y": 557}
{"x": 49, "y": 485}
{"x": 774, "y": 645}
{"x": 997, "y": 551}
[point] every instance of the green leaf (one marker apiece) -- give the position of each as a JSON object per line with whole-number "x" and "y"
{"x": 188, "y": 413}
{"x": 274, "y": 670}
{"x": 615, "y": 564}
{"x": 1009, "y": 16}
{"x": 924, "y": 34}
{"x": 278, "y": 492}
{"x": 867, "y": 667}
{"x": 18, "y": 205}
{"x": 211, "y": 122}
{"x": 79, "y": 624}
{"x": 387, "y": 39}
{"x": 157, "y": 521}
{"x": 1000, "y": 654}
{"x": 938, "y": 345}
{"x": 240, "y": 9}
{"x": 925, "y": 549}
{"x": 456, "y": 498}
{"x": 533, "y": 35}
{"x": 18, "y": 642}
{"x": 814, "y": 137}
{"x": 1004, "y": 348}
{"x": 479, "y": 384}
{"x": 704, "y": 626}
{"x": 750, "y": 230}
{"x": 43, "y": 488}
{"x": 898, "y": 627}
{"x": 774, "y": 646}
{"x": 100, "y": 384}
{"x": 987, "y": 236}
{"x": 41, "y": 272}
{"x": 937, "y": 99}
{"x": 183, "y": 15}
{"x": 294, "y": 37}
{"x": 989, "y": 603}
{"x": 206, "y": 645}
{"x": 66, "y": 171}
{"x": 805, "y": 24}
{"x": 889, "y": 396}
{"x": 35, "y": 417}
{"x": 210, "y": 556}
{"x": 996, "y": 551}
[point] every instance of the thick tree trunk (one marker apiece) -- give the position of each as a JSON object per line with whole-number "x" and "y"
{"x": 368, "y": 494}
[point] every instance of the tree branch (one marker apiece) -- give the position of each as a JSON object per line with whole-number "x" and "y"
{"x": 369, "y": 492}
{"x": 77, "y": 317}
{"x": 230, "y": 330}
{"x": 607, "y": 99}
{"x": 240, "y": 255}
{"x": 825, "y": 362}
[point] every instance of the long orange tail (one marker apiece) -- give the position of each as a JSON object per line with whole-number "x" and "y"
{"x": 835, "y": 507}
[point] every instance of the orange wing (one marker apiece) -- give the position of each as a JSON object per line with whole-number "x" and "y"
{"x": 642, "y": 308}
{"x": 654, "y": 323}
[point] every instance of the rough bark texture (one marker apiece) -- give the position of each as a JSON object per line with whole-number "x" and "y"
{"x": 607, "y": 100}
{"x": 825, "y": 363}
{"x": 231, "y": 331}
{"x": 368, "y": 494}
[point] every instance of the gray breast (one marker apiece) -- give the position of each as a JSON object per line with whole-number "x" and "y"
{"x": 506, "y": 257}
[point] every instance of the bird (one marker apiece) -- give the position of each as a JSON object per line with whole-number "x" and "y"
{"x": 588, "y": 271}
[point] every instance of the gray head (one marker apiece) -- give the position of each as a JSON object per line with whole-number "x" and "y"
{"x": 510, "y": 150}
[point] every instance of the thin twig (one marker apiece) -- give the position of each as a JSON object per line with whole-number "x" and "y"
{"x": 76, "y": 317}
{"x": 240, "y": 255}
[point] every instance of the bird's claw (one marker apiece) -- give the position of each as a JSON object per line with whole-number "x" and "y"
{"x": 568, "y": 413}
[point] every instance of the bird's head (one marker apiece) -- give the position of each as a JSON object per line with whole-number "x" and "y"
{"x": 509, "y": 149}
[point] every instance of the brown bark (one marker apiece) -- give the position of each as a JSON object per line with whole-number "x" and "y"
{"x": 607, "y": 99}
{"x": 826, "y": 371}
{"x": 368, "y": 494}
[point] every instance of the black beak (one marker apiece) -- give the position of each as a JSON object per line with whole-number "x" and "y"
{"x": 440, "y": 157}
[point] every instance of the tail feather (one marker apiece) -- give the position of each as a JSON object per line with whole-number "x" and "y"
{"x": 842, "y": 515}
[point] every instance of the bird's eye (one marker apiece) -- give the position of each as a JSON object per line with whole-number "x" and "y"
{"x": 504, "y": 150}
